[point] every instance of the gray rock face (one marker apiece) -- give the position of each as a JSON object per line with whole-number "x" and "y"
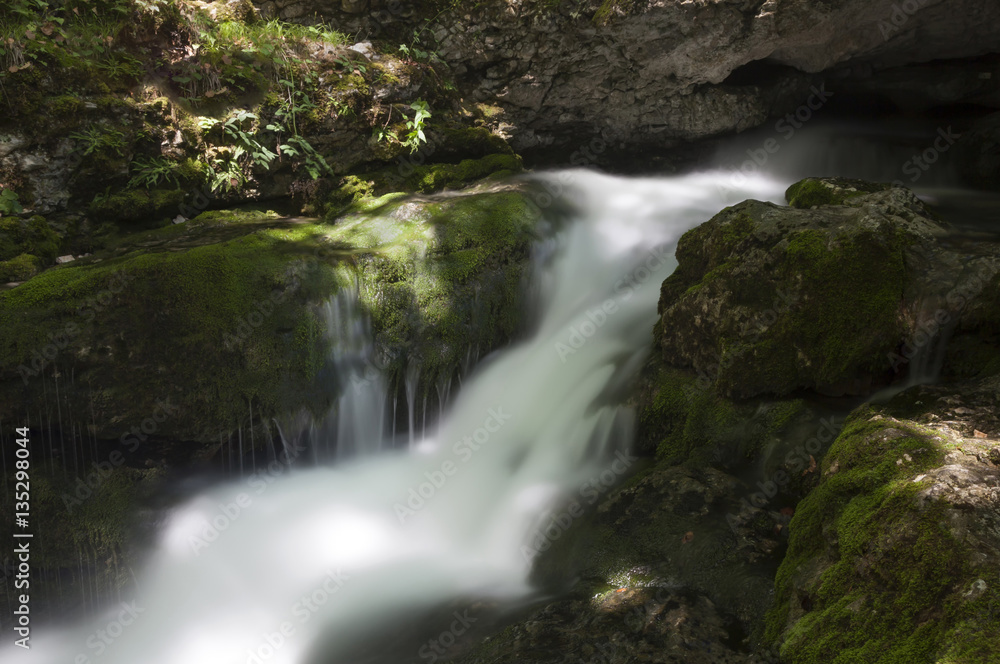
{"x": 654, "y": 71}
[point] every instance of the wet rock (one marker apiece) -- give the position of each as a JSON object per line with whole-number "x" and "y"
{"x": 897, "y": 549}
{"x": 622, "y": 625}
{"x": 838, "y": 299}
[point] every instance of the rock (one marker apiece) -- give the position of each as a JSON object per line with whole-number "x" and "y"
{"x": 629, "y": 623}
{"x": 198, "y": 290}
{"x": 655, "y": 73}
{"x": 896, "y": 559}
{"x": 354, "y": 6}
{"x": 838, "y": 299}
{"x": 364, "y": 48}
{"x": 65, "y": 259}
{"x": 813, "y": 192}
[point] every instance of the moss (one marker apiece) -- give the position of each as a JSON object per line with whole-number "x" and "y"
{"x": 887, "y": 577}
{"x": 240, "y": 215}
{"x": 828, "y": 191}
{"x": 436, "y": 177}
{"x": 686, "y": 421}
{"x": 32, "y": 236}
{"x": 64, "y": 105}
{"x": 86, "y": 526}
{"x": 611, "y": 8}
{"x": 443, "y": 278}
{"x": 19, "y": 268}
{"x": 228, "y": 309}
{"x": 137, "y": 205}
{"x": 831, "y": 292}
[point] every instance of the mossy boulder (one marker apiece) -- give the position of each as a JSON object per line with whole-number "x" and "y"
{"x": 894, "y": 556}
{"x": 769, "y": 299}
{"x": 219, "y": 315}
{"x": 137, "y": 205}
{"x": 355, "y": 192}
{"x": 442, "y": 278}
{"x": 683, "y": 420}
{"x": 212, "y": 321}
{"x": 28, "y": 236}
{"x": 814, "y": 192}
{"x": 20, "y": 268}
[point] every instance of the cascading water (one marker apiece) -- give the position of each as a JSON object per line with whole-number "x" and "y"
{"x": 355, "y": 424}
{"x": 294, "y": 571}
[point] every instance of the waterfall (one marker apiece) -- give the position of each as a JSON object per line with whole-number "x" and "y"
{"x": 296, "y": 570}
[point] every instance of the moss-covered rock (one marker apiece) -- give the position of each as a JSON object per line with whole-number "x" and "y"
{"x": 20, "y": 268}
{"x": 443, "y": 278}
{"x": 214, "y": 326}
{"x": 894, "y": 556}
{"x": 27, "y": 236}
{"x": 683, "y": 420}
{"x": 137, "y": 205}
{"x": 814, "y": 192}
{"x": 770, "y": 299}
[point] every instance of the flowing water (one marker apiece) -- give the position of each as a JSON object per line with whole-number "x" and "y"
{"x": 329, "y": 552}
{"x": 296, "y": 571}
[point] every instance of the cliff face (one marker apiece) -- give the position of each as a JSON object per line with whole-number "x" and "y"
{"x": 657, "y": 72}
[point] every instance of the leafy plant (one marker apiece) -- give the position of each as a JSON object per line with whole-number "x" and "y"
{"x": 349, "y": 66}
{"x": 415, "y": 137}
{"x": 286, "y": 122}
{"x": 9, "y": 202}
{"x": 148, "y": 173}
{"x": 95, "y": 139}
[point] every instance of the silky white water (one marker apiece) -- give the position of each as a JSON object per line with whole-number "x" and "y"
{"x": 292, "y": 571}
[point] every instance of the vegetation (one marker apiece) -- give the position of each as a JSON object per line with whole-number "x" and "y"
{"x": 870, "y": 573}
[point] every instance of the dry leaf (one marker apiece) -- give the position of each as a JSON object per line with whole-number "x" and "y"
{"x": 227, "y": 60}
{"x": 210, "y": 93}
{"x": 29, "y": 34}
{"x": 47, "y": 29}
{"x": 979, "y": 434}
{"x": 12, "y": 69}
{"x": 688, "y": 536}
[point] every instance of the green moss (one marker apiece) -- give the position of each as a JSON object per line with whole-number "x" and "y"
{"x": 610, "y": 8}
{"x": 64, "y": 105}
{"x": 86, "y": 526}
{"x": 137, "y": 205}
{"x": 436, "y": 177}
{"x": 227, "y": 309}
{"x": 235, "y": 216}
{"x": 19, "y": 268}
{"x": 830, "y": 293}
{"x": 688, "y": 422}
{"x": 891, "y": 576}
{"x": 444, "y": 278}
{"x": 28, "y": 236}
{"x": 828, "y": 191}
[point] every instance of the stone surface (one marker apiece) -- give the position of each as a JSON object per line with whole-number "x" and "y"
{"x": 653, "y": 72}
{"x": 840, "y": 298}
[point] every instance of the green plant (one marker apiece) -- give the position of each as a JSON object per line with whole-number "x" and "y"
{"x": 294, "y": 103}
{"x": 94, "y": 139}
{"x": 148, "y": 173}
{"x": 415, "y": 137}
{"x": 9, "y": 202}
{"x": 349, "y": 66}
{"x": 234, "y": 132}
